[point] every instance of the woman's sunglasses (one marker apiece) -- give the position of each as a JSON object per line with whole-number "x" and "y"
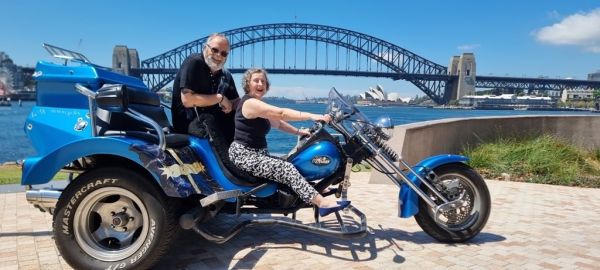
{"x": 217, "y": 51}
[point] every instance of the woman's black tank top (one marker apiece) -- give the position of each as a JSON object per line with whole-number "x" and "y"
{"x": 250, "y": 132}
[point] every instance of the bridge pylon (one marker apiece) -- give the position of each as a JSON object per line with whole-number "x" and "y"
{"x": 125, "y": 59}
{"x": 464, "y": 67}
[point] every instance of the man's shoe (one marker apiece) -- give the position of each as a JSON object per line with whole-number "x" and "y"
{"x": 326, "y": 211}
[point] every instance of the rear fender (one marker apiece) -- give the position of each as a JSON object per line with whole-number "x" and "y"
{"x": 408, "y": 198}
{"x": 41, "y": 169}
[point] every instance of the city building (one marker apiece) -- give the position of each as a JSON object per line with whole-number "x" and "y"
{"x": 11, "y": 75}
{"x": 577, "y": 94}
{"x": 594, "y": 76}
{"x": 506, "y": 101}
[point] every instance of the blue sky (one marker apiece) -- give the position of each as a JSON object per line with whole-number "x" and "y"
{"x": 509, "y": 37}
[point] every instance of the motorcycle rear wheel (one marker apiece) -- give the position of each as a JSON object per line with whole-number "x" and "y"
{"x": 113, "y": 218}
{"x": 468, "y": 220}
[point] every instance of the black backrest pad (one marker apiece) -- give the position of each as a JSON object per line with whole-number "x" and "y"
{"x": 147, "y": 103}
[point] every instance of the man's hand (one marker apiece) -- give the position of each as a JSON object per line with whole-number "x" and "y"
{"x": 226, "y": 105}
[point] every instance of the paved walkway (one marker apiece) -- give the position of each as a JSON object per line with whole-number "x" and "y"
{"x": 531, "y": 227}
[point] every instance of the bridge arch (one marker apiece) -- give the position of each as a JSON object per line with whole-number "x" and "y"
{"x": 400, "y": 63}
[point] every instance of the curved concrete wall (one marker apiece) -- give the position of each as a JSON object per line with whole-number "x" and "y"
{"x": 450, "y": 136}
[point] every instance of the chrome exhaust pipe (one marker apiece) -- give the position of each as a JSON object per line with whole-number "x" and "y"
{"x": 43, "y": 199}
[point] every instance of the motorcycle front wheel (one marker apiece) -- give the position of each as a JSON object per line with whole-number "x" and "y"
{"x": 113, "y": 218}
{"x": 460, "y": 224}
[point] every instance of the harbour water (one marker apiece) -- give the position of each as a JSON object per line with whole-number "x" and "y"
{"x": 15, "y": 145}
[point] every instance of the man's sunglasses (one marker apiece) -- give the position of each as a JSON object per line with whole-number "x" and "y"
{"x": 217, "y": 51}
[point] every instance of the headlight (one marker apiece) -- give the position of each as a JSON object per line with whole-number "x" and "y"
{"x": 386, "y": 126}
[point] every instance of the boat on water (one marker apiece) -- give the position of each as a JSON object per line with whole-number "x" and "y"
{"x": 4, "y": 95}
{"x": 5, "y": 102}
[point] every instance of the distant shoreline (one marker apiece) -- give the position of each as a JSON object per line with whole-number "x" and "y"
{"x": 515, "y": 109}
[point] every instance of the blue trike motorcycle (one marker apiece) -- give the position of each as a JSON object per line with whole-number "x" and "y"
{"x": 133, "y": 183}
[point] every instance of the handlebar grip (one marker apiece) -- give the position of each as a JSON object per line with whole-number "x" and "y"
{"x": 85, "y": 91}
{"x": 317, "y": 126}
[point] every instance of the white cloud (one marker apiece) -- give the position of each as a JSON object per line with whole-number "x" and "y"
{"x": 580, "y": 29}
{"x": 467, "y": 47}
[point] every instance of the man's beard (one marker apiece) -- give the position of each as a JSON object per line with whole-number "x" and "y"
{"x": 211, "y": 64}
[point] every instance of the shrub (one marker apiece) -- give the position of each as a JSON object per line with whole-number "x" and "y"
{"x": 545, "y": 159}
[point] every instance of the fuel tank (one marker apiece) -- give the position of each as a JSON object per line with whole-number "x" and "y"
{"x": 317, "y": 160}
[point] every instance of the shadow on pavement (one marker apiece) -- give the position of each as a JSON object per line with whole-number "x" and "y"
{"x": 245, "y": 250}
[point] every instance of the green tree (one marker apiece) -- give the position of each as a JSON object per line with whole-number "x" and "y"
{"x": 596, "y": 94}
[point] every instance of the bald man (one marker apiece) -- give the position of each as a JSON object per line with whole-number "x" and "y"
{"x": 203, "y": 85}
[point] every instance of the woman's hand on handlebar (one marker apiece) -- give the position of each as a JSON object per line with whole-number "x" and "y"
{"x": 322, "y": 117}
{"x": 303, "y": 132}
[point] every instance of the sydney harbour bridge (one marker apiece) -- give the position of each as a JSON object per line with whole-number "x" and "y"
{"x": 311, "y": 49}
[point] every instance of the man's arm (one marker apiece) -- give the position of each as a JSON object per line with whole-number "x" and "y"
{"x": 190, "y": 99}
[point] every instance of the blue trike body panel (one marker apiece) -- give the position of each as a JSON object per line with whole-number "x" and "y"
{"x": 56, "y": 83}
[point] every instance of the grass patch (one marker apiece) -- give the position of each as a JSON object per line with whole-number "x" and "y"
{"x": 545, "y": 159}
{"x": 11, "y": 174}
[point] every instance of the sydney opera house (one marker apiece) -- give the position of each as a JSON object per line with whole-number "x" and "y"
{"x": 377, "y": 94}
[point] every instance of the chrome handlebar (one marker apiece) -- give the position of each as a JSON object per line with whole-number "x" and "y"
{"x": 85, "y": 91}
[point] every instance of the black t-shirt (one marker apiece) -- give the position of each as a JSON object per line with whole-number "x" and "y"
{"x": 195, "y": 75}
{"x": 250, "y": 132}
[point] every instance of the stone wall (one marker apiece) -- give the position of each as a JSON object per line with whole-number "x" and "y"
{"x": 450, "y": 136}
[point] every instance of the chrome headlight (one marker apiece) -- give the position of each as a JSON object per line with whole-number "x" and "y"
{"x": 386, "y": 126}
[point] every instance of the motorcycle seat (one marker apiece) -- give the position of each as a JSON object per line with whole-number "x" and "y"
{"x": 204, "y": 127}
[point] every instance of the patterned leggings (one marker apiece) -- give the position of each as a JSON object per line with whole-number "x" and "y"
{"x": 258, "y": 163}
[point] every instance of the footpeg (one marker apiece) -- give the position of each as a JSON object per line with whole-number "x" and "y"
{"x": 219, "y": 196}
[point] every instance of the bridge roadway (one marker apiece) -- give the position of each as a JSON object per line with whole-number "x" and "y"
{"x": 532, "y": 226}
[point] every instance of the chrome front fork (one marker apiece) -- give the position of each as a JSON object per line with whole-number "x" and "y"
{"x": 398, "y": 176}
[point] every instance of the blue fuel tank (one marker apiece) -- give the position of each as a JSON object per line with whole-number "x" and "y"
{"x": 317, "y": 161}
